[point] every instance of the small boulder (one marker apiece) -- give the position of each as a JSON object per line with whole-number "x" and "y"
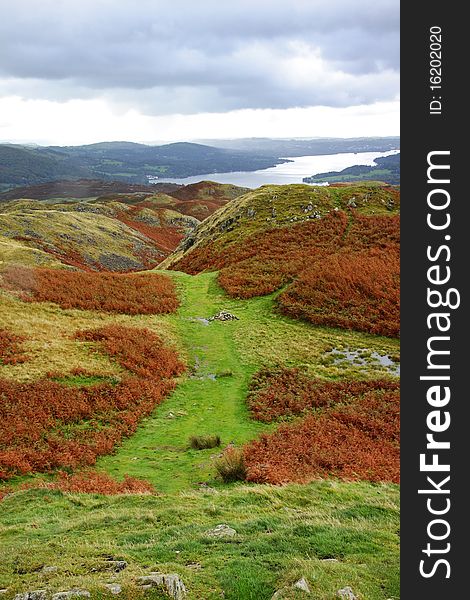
{"x": 75, "y": 593}
{"x": 51, "y": 569}
{"x": 117, "y": 565}
{"x": 33, "y": 595}
{"x": 352, "y": 202}
{"x": 302, "y": 584}
{"x": 287, "y": 591}
{"x": 114, "y": 588}
{"x": 171, "y": 583}
{"x": 223, "y": 315}
{"x": 221, "y": 531}
{"x": 346, "y": 593}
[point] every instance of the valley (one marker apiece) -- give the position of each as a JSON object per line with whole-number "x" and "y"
{"x": 310, "y": 277}
{"x": 140, "y": 164}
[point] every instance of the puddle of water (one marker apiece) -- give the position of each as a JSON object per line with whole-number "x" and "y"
{"x": 356, "y": 357}
{"x": 211, "y": 376}
{"x": 196, "y": 371}
{"x": 387, "y": 362}
{"x": 202, "y": 320}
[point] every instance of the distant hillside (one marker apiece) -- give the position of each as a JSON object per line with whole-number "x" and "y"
{"x": 387, "y": 169}
{"x": 304, "y": 147}
{"x": 82, "y": 188}
{"x": 116, "y": 231}
{"x": 122, "y": 161}
{"x": 20, "y": 165}
{"x": 202, "y": 199}
{"x": 129, "y": 162}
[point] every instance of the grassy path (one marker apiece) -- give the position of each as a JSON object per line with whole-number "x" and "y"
{"x": 209, "y": 400}
{"x": 283, "y": 533}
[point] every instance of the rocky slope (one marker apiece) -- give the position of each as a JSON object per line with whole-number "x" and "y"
{"x": 272, "y": 206}
{"x": 117, "y": 231}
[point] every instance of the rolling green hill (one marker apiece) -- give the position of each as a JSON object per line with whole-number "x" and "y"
{"x": 306, "y": 147}
{"x": 331, "y": 250}
{"x": 21, "y": 165}
{"x": 82, "y": 188}
{"x": 122, "y": 161}
{"x": 272, "y": 206}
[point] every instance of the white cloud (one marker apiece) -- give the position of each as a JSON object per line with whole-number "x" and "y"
{"x": 88, "y": 121}
{"x": 79, "y": 70}
{"x": 227, "y": 55}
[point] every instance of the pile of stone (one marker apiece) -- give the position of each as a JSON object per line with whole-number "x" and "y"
{"x": 44, "y": 595}
{"x": 223, "y": 315}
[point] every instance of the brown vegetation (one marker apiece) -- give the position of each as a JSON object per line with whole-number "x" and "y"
{"x": 353, "y": 441}
{"x": 46, "y": 425}
{"x": 11, "y": 352}
{"x": 343, "y": 269}
{"x": 288, "y": 392}
{"x": 149, "y": 293}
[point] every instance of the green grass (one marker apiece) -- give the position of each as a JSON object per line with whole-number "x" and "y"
{"x": 208, "y": 401}
{"x": 222, "y": 357}
{"x": 282, "y": 534}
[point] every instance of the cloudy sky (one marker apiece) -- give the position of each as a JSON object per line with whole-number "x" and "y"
{"x": 80, "y": 71}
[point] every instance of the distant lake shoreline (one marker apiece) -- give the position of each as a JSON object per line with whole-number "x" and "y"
{"x": 288, "y": 172}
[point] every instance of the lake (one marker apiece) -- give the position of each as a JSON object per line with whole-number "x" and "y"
{"x": 291, "y": 172}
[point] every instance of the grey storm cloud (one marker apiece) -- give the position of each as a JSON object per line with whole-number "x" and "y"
{"x": 187, "y": 56}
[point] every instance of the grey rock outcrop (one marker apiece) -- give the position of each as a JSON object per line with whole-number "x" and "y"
{"x": 346, "y": 593}
{"x": 302, "y": 584}
{"x": 114, "y": 588}
{"x": 117, "y": 565}
{"x": 170, "y": 583}
{"x": 286, "y": 592}
{"x": 221, "y": 531}
{"x": 75, "y": 593}
{"x": 51, "y": 569}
